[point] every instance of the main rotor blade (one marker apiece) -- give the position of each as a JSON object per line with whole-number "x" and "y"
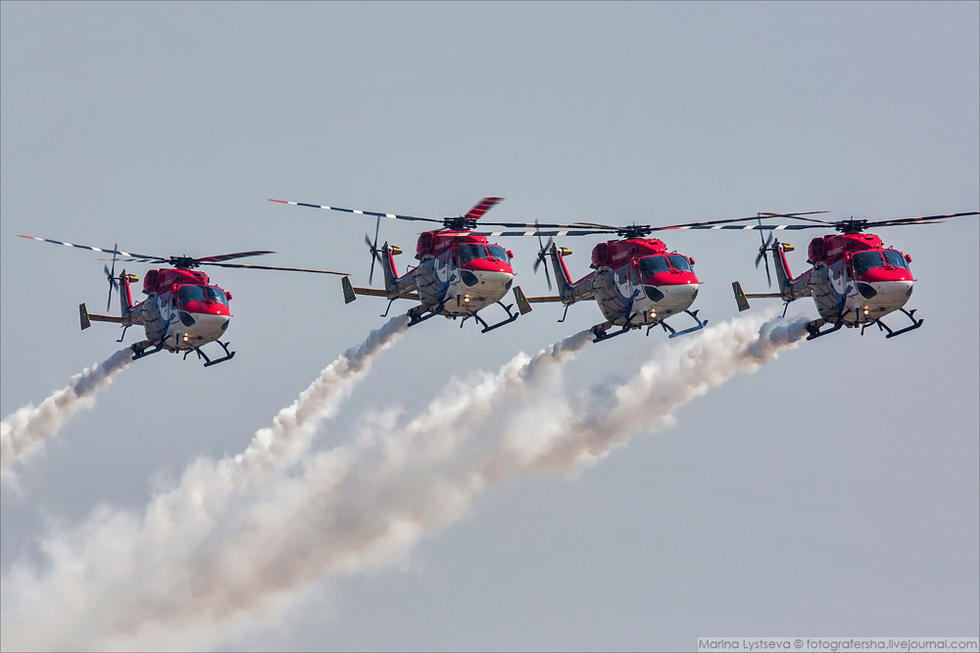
{"x": 482, "y": 207}
{"x": 397, "y": 216}
{"x": 921, "y": 219}
{"x": 549, "y": 225}
{"x": 548, "y": 232}
{"x": 228, "y": 257}
{"x": 106, "y": 250}
{"x": 703, "y": 224}
{"x": 275, "y": 267}
{"x": 604, "y": 228}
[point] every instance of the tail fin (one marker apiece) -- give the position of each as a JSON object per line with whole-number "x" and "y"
{"x": 783, "y": 276}
{"x": 125, "y": 294}
{"x": 388, "y": 253}
{"x": 562, "y": 277}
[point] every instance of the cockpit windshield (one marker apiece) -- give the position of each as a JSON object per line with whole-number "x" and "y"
{"x": 895, "y": 259}
{"x": 469, "y": 252}
{"x": 680, "y": 262}
{"x": 650, "y": 265}
{"x": 498, "y": 252}
{"x": 864, "y": 261}
{"x": 188, "y": 294}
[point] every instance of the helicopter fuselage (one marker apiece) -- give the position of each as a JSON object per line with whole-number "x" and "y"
{"x": 854, "y": 280}
{"x": 636, "y": 282}
{"x": 182, "y": 312}
{"x": 457, "y": 275}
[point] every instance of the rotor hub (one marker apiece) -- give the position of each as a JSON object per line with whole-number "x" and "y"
{"x": 635, "y": 231}
{"x": 184, "y": 262}
{"x": 851, "y": 226}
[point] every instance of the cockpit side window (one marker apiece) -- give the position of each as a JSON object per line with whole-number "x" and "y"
{"x": 469, "y": 252}
{"x": 498, "y": 252}
{"x": 188, "y": 294}
{"x": 650, "y": 265}
{"x": 680, "y": 262}
{"x": 864, "y": 261}
{"x": 895, "y": 259}
{"x": 217, "y": 295}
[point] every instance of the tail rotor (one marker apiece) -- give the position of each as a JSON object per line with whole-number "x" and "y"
{"x": 111, "y": 276}
{"x": 542, "y": 253}
{"x": 373, "y": 247}
{"x": 762, "y": 255}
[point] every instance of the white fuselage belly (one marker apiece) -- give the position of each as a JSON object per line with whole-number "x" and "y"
{"x": 891, "y": 296}
{"x": 463, "y": 299}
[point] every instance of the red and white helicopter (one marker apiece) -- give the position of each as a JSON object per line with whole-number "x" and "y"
{"x": 854, "y": 280}
{"x": 635, "y": 280}
{"x": 183, "y": 310}
{"x": 459, "y": 272}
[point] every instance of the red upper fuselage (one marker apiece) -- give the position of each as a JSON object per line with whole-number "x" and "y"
{"x": 192, "y": 288}
{"x": 864, "y": 253}
{"x": 472, "y": 252}
{"x": 655, "y": 265}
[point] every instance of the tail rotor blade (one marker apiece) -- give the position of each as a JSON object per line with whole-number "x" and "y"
{"x": 542, "y": 252}
{"x": 763, "y": 255}
{"x": 111, "y": 275}
{"x": 373, "y": 246}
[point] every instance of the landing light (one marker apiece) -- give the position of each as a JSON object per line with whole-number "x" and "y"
{"x": 866, "y": 310}
{"x": 653, "y": 313}
{"x": 186, "y": 337}
{"x": 466, "y": 298}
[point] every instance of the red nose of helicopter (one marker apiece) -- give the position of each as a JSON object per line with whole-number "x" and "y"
{"x": 883, "y": 290}
{"x": 203, "y": 321}
{"x": 492, "y": 277}
{"x": 671, "y": 291}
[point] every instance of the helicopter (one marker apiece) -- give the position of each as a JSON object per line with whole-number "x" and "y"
{"x": 459, "y": 272}
{"x": 635, "y": 280}
{"x": 854, "y": 280}
{"x": 183, "y": 310}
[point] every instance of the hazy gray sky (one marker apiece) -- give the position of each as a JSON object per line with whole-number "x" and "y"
{"x": 835, "y": 492}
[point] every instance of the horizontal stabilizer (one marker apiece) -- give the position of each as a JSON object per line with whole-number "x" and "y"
{"x": 351, "y": 292}
{"x": 85, "y": 318}
{"x": 741, "y": 297}
{"x": 546, "y": 298}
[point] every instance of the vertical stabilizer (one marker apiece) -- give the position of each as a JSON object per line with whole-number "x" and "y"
{"x": 125, "y": 294}
{"x": 388, "y": 265}
{"x": 783, "y": 276}
{"x": 562, "y": 277}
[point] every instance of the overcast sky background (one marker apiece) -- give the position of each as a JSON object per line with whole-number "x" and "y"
{"x": 835, "y": 492}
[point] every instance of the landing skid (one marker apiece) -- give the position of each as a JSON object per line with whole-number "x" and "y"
{"x": 140, "y": 349}
{"x": 814, "y": 328}
{"x": 673, "y": 333}
{"x": 486, "y": 327}
{"x": 419, "y": 314}
{"x": 207, "y": 361}
{"x": 892, "y": 333}
{"x": 600, "y": 330}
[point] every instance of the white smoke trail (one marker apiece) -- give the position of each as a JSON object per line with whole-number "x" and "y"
{"x": 177, "y": 550}
{"x": 293, "y": 427}
{"x": 358, "y": 506}
{"x": 22, "y": 430}
{"x": 119, "y": 547}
